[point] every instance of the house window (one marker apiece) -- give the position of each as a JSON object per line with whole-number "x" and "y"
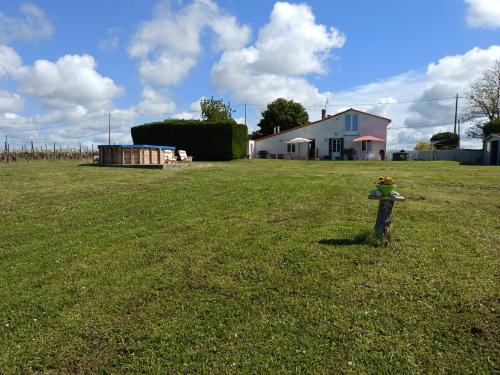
{"x": 351, "y": 123}
{"x": 336, "y": 145}
{"x": 366, "y": 146}
{"x": 290, "y": 148}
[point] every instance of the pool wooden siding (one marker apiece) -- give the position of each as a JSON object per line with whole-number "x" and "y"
{"x": 132, "y": 154}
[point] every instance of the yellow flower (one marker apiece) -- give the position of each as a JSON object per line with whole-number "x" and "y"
{"x": 386, "y": 180}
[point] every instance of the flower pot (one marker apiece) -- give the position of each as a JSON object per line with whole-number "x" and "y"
{"x": 386, "y": 190}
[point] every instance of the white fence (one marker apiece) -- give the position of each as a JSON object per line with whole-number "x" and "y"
{"x": 460, "y": 155}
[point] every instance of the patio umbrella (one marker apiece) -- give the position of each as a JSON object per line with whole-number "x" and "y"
{"x": 368, "y": 138}
{"x": 299, "y": 141}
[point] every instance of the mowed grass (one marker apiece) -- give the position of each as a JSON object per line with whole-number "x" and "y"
{"x": 248, "y": 266}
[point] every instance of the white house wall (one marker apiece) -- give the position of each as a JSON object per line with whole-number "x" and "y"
{"x": 321, "y": 132}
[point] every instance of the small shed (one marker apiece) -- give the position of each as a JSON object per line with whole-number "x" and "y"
{"x": 127, "y": 155}
{"x": 491, "y": 149}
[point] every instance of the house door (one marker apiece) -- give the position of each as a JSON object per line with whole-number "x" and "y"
{"x": 494, "y": 153}
{"x": 336, "y": 148}
{"x": 312, "y": 149}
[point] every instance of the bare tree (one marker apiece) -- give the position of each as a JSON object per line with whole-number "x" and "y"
{"x": 484, "y": 100}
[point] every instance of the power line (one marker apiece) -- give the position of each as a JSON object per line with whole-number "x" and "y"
{"x": 365, "y": 104}
{"x": 397, "y": 102}
{"x": 421, "y": 126}
{"x": 43, "y": 127}
{"x": 72, "y": 122}
{"x": 152, "y": 114}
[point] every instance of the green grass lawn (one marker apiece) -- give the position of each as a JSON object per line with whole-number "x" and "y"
{"x": 248, "y": 266}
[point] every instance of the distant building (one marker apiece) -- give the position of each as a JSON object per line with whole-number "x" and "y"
{"x": 348, "y": 134}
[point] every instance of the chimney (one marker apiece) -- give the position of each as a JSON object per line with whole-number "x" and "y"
{"x": 323, "y": 113}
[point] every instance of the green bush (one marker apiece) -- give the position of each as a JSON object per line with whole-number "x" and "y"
{"x": 203, "y": 140}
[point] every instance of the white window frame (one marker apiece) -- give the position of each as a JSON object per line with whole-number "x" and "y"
{"x": 351, "y": 126}
{"x": 336, "y": 145}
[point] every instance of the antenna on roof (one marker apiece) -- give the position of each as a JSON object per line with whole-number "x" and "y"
{"x": 323, "y": 111}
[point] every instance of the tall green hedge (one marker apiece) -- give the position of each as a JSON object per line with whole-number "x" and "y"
{"x": 203, "y": 140}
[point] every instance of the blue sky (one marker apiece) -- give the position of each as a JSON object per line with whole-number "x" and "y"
{"x": 65, "y": 64}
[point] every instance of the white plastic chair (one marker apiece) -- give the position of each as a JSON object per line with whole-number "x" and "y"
{"x": 184, "y": 156}
{"x": 169, "y": 157}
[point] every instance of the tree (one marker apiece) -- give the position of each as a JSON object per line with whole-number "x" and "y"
{"x": 484, "y": 100}
{"x": 445, "y": 141}
{"x": 213, "y": 110}
{"x": 491, "y": 127}
{"x": 283, "y": 113}
{"x": 424, "y": 146}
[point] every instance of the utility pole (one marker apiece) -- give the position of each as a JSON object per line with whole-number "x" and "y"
{"x": 456, "y": 114}
{"x": 245, "y": 113}
{"x": 6, "y": 149}
{"x": 459, "y": 134}
{"x": 109, "y": 129}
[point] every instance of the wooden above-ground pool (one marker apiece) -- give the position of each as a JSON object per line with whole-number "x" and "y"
{"x": 134, "y": 155}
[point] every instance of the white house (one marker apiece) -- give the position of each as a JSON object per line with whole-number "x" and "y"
{"x": 491, "y": 149}
{"x": 354, "y": 133}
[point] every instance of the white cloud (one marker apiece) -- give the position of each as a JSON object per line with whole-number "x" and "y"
{"x": 166, "y": 70}
{"x": 229, "y": 34}
{"x": 68, "y": 127}
{"x": 169, "y": 45}
{"x": 290, "y": 46}
{"x": 70, "y": 81}
{"x": 154, "y": 101}
{"x": 32, "y": 26}
{"x": 292, "y": 42}
{"x": 111, "y": 41}
{"x": 442, "y": 79}
{"x": 62, "y": 116}
{"x": 447, "y": 77}
{"x": 71, "y": 90}
{"x": 483, "y": 13}
{"x": 10, "y": 102}
{"x": 10, "y": 62}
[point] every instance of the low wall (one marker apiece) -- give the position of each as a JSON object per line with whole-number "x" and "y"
{"x": 460, "y": 155}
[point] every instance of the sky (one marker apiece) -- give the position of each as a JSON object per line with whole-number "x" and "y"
{"x": 70, "y": 69}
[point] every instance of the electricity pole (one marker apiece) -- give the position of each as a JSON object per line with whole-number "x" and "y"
{"x": 109, "y": 129}
{"x": 456, "y": 113}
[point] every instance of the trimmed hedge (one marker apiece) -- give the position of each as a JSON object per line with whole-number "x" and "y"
{"x": 203, "y": 140}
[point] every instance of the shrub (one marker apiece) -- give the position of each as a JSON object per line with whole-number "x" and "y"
{"x": 445, "y": 141}
{"x": 350, "y": 152}
{"x": 491, "y": 127}
{"x": 223, "y": 140}
{"x": 424, "y": 146}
